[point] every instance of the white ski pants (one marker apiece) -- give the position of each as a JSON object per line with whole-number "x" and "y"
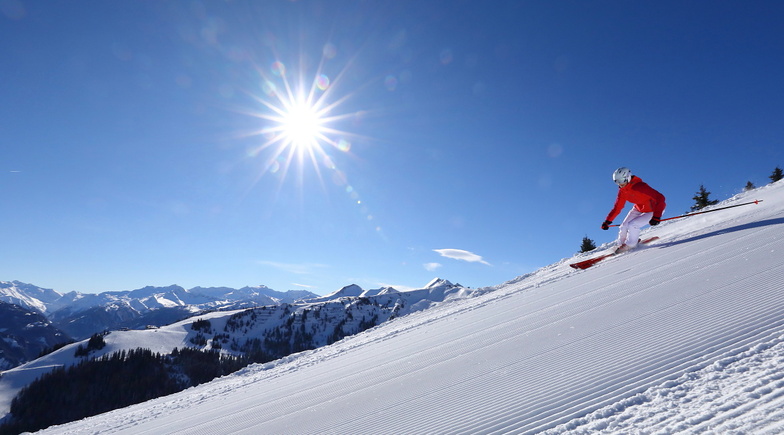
{"x": 629, "y": 232}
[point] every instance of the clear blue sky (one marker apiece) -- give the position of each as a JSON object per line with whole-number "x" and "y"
{"x": 470, "y": 140}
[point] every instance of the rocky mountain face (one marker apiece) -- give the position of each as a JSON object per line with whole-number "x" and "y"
{"x": 25, "y": 334}
{"x": 272, "y": 332}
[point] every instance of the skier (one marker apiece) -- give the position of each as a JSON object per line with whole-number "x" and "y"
{"x": 648, "y": 208}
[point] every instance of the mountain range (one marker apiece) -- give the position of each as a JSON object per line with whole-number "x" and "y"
{"x": 80, "y": 315}
{"x": 142, "y": 300}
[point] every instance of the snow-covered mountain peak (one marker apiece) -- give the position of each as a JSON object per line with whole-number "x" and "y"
{"x": 379, "y": 291}
{"x": 27, "y": 295}
{"x": 351, "y": 290}
{"x": 438, "y": 282}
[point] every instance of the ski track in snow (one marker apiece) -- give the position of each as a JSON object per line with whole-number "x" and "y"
{"x": 683, "y": 336}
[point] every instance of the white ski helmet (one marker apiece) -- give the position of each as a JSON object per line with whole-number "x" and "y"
{"x": 622, "y": 176}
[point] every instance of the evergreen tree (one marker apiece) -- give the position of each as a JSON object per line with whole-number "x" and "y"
{"x": 588, "y": 245}
{"x": 96, "y": 342}
{"x": 749, "y": 186}
{"x": 701, "y": 199}
{"x": 776, "y": 175}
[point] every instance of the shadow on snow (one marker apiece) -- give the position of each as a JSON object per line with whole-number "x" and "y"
{"x": 759, "y": 224}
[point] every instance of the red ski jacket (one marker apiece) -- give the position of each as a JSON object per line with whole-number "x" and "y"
{"x": 644, "y": 197}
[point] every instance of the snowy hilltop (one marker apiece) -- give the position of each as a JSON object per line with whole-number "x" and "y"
{"x": 684, "y": 335}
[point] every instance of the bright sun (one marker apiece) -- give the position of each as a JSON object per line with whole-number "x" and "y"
{"x": 298, "y": 123}
{"x": 301, "y": 126}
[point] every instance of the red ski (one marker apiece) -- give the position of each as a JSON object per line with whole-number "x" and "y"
{"x": 590, "y": 262}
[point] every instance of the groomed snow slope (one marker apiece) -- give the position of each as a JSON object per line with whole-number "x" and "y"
{"x": 685, "y": 335}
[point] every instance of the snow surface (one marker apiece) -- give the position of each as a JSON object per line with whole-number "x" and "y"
{"x": 684, "y": 335}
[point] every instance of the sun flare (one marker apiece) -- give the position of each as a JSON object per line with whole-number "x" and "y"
{"x": 301, "y": 127}
{"x": 299, "y": 122}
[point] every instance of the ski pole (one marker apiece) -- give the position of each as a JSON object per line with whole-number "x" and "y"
{"x": 756, "y": 201}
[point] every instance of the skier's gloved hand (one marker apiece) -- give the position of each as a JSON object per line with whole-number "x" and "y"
{"x": 606, "y": 225}
{"x": 655, "y": 220}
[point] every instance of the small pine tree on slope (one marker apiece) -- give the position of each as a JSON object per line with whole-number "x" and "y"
{"x": 588, "y": 245}
{"x": 776, "y": 175}
{"x": 701, "y": 199}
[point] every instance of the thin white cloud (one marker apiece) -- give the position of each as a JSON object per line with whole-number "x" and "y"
{"x": 431, "y": 266}
{"x": 459, "y": 254}
{"x": 302, "y": 285}
{"x": 299, "y": 269}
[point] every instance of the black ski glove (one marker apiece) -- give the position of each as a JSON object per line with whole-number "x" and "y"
{"x": 655, "y": 220}
{"x": 606, "y": 225}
